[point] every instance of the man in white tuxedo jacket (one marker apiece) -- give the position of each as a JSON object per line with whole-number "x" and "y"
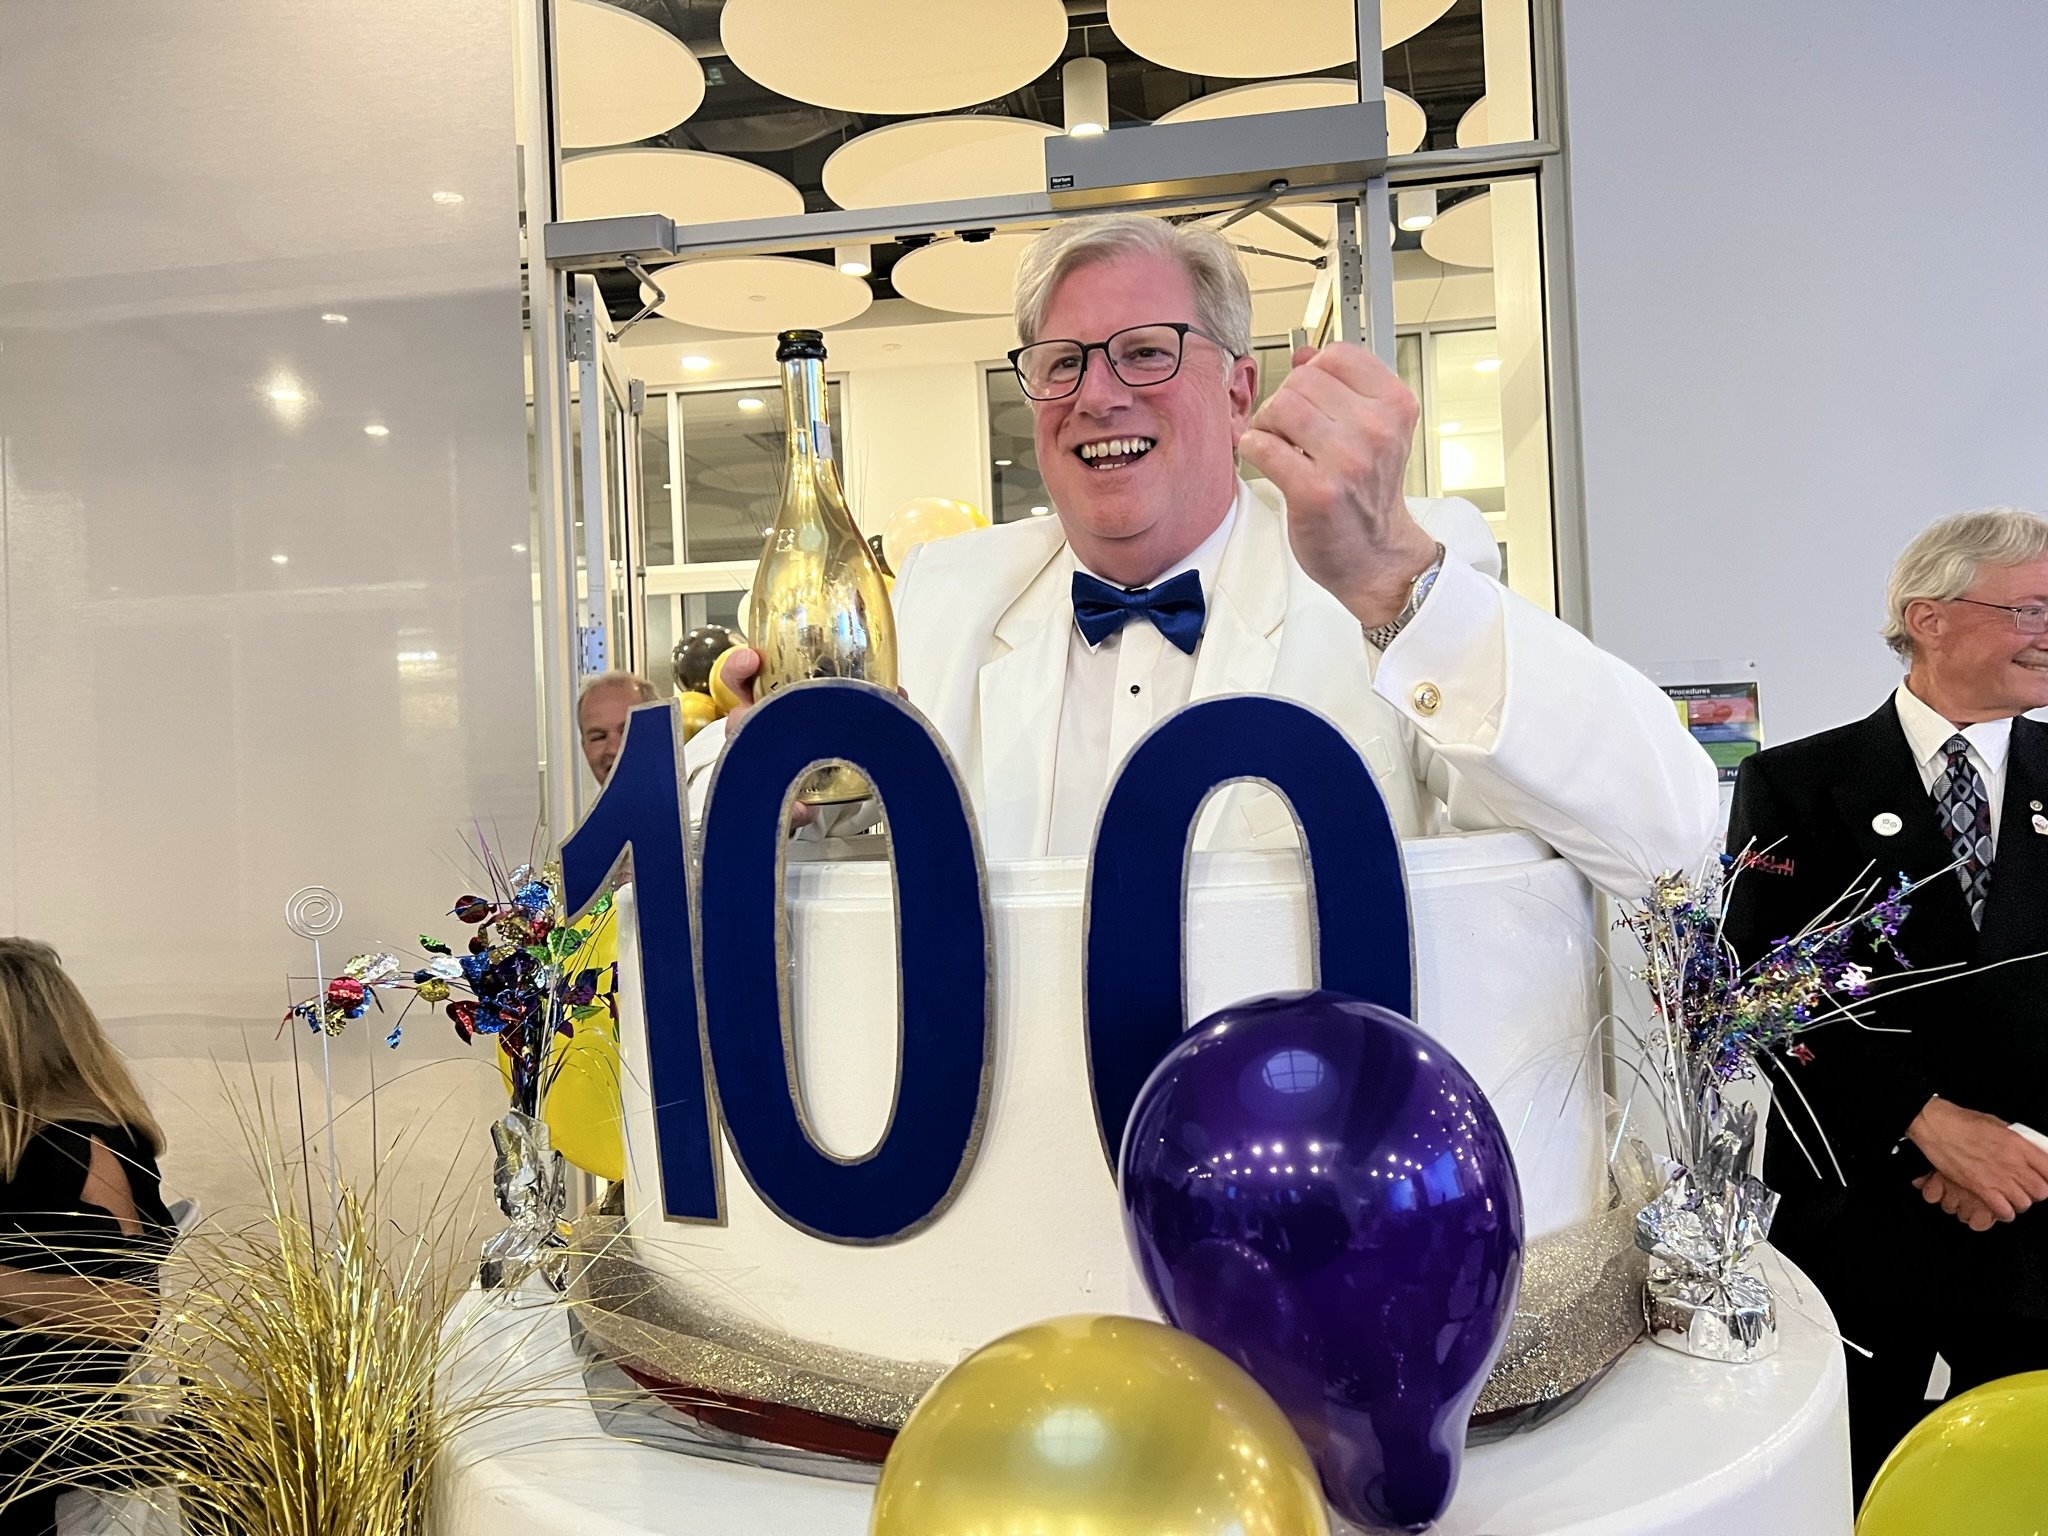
{"x": 1042, "y": 651}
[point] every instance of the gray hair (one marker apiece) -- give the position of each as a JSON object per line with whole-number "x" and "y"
{"x": 1223, "y": 300}
{"x": 644, "y": 692}
{"x": 1944, "y": 558}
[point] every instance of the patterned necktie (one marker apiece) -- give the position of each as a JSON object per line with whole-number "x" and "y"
{"x": 1966, "y": 823}
{"x": 1175, "y": 608}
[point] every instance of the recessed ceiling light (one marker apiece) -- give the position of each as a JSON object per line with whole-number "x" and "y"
{"x": 376, "y": 429}
{"x": 751, "y": 403}
{"x": 695, "y": 364}
{"x": 1487, "y": 365}
{"x": 518, "y": 549}
{"x": 1002, "y": 463}
{"x": 331, "y": 318}
{"x": 1449, "y": 428}
{"x": 1040, "y": 511}
{"x": 286, "y": 394}
{"x": 280, "y": 559}
{"x": 447, "y": 199}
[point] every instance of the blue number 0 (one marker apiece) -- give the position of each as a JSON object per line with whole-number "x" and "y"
{"x": 1136, "y": 915}
{"x": 946, "y": 1003}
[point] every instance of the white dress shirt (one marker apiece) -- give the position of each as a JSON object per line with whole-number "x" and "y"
{"x": 1115, "y": 693}
{"x": 1928, "y": 735}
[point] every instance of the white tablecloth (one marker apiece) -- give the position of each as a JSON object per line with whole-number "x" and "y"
{"x": 1664, "y": 1446}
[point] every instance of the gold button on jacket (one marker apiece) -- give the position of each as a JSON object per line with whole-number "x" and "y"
{"x": 1427, "y": 696}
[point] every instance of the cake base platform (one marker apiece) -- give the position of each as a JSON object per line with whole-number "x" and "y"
{"x": 1664, "y": 1446}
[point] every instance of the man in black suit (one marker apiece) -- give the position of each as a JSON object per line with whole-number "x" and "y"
{"x": 1909, "y": 1202}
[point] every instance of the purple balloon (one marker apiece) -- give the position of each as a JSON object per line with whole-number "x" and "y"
{"x": 1315, "y": 1187}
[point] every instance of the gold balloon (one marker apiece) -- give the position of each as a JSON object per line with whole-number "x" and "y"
{"x": 698, "y": 712}
{"x": 723, "y": 699}
{"x": 1976, "y": 1466}
{"x": 1112, "y": 1426}
{"x": 924, "y": 518}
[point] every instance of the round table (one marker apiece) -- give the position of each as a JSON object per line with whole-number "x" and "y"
{"x": 1665, "y": 1445}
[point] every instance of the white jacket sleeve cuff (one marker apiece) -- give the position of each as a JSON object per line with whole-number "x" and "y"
{"x": 1447, "y": 672}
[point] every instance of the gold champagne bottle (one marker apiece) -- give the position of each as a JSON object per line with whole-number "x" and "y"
{"x": 819, "y": 607}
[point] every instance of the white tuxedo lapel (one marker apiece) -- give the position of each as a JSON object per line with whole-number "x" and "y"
{"x": 1240, "y": 639}
{"x": 1020, "y": 694}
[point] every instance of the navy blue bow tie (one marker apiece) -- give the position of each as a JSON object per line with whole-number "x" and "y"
{"x": 1175, "y": 608}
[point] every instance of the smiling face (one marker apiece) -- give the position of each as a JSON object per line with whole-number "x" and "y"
{"x": 1973, "y": 663}
{"x": 1140, "y": 476}
{"x": 601, "y": 726}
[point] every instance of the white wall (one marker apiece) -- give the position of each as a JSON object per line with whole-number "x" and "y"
{"x": 914, "y": 432}
{"x": 1812, "y": 315}
{"x": 192, "y": 729}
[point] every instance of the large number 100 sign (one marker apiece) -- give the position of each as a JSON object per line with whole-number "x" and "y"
{"x": 711, "y": 972}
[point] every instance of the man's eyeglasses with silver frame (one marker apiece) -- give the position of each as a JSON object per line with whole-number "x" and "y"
{"x": 1139, "y": 355}
{"x": 2032, "y": 619}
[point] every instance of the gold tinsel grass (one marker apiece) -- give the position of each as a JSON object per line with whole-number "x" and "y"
{"x": 288, "y": 1387}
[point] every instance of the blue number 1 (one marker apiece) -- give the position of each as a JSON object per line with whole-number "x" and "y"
{"x": 641, "y": 812}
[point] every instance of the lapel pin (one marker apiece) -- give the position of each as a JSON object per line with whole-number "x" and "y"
{"x": 2041, "y": 824}
{"x": 1886, "y": 824}
{"x": 2033, "y": 805}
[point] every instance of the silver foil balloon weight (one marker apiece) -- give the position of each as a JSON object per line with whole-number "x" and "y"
{"x": 1705, "y": 1296}
{"x": 533, "y": 1193}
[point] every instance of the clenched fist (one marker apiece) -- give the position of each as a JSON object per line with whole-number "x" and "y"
{"x": 1334, "y": 438}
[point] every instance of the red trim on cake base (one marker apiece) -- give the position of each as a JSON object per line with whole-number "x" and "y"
{"x": 796, "y": 1427}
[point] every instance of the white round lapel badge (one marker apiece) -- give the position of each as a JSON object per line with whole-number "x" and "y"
{"x": 1886, "y": 824}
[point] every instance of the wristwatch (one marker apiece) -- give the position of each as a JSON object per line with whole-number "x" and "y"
{"x": 1382, "y": 635}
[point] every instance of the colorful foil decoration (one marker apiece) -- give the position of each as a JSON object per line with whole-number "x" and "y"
{"x": 517, "y": 978}
{"x": 1714, "y": 1020}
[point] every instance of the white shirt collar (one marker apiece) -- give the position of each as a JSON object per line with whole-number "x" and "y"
{"x": 1928, "y": 733}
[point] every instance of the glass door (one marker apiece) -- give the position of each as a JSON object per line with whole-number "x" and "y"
{"x": 610, "y": 561}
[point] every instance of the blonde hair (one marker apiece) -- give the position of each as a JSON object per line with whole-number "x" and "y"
{"x": 1944, "y": 558}
{"x": 56, "y": 1063}
{"x": 1223, "y": 300}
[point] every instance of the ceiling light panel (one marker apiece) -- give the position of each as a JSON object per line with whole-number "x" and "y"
{"x": 688, "y": 185}
{"x": 1406, "y": 124}
{"x": 1210, "y": 37}
{"x": 963, "y": 277}
{"x": 619, "y": 77}
{"x": 938, "y": 159}
{"x": 895, "y": 57}
{"x": 760, "y": 295}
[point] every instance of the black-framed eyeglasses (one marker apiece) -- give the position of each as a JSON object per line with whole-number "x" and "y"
{"x": 2029, "y": 618}
{"x": 1139, "y": 355}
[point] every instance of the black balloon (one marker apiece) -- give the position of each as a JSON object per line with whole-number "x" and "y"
{"x": 695, "y": 653}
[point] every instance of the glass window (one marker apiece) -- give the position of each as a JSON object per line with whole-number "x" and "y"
{"x": 657, "y": 504}
{"x": 732, "y": 467}
{"x": 1408, "y": 364}
{"x": 1015, "y": 487}
{"x": 1468, "y": 294}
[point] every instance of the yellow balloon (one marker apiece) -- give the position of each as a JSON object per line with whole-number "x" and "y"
{"x": 924, "y": 518}
{"x": 1110, "y": 1425}
{"x": 1976, "y": 1466}
{"x": 698, "y": 711}
{"x": 584, "y": 1120}
{"x": 722, "y": 697}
